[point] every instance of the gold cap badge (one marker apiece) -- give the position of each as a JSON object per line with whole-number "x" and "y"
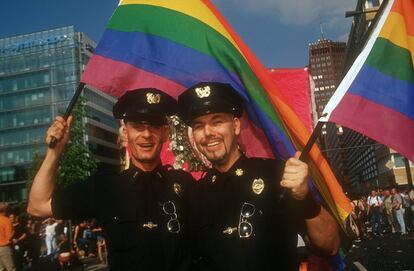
{"x": 258, "y": 186}
{"x": 177, "y": 189}
{"x": 153, "y": 98}
{"x": 203, "y": 92}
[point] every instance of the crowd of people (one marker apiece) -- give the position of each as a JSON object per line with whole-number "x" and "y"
{"x": 30, "y": 243}
{"x": 388, "y": 211}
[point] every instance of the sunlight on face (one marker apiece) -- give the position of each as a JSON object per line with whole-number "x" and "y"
{"x": 216, "y": 137}
{"x": 145, "y": 142}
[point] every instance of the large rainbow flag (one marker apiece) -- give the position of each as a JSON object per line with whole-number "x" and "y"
{"x": 376, "y": 97}
{"x": 171, "y": 45}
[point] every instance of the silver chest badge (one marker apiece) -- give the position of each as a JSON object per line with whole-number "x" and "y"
{"x": 258, "y": 186}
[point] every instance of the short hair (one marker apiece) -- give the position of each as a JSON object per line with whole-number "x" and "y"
{"x": 3, "y": 207}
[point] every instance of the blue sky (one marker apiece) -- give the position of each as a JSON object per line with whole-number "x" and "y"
{"x": 277, "y": 31}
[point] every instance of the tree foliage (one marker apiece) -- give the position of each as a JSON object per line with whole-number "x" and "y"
{"x": 77, "y": 162}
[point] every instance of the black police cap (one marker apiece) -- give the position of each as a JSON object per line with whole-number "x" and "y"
{"x": 146, "y": 105}
{"x": 209, "y": 97}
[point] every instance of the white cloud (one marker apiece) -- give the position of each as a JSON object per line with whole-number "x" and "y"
{"x": 298, "y": 12}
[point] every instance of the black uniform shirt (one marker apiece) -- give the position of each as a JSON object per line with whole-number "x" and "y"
{"x": 129, "y": 206}
{"x": 217, "y": 203}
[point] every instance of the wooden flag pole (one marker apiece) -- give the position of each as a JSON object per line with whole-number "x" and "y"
{"x": 69, "y": 109}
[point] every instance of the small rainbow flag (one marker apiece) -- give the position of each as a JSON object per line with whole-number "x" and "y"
{"x": 172, "y": 45}
{"x": 376, "y": 97}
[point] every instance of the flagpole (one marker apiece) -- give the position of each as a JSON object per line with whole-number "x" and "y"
{"x": 315, "y": 133}
{"x": 69, "y": 109}
{"x": 306, "y": 149}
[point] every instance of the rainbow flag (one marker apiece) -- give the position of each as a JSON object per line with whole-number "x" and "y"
{"x": 172, "y": 45}
{"x": 376, "y": 97}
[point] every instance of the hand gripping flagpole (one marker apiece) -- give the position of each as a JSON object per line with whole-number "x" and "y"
{"x": 69, "y": 109}
{"x": 306, "y": 149}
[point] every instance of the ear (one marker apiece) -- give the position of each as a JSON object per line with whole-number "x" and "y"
{"x": 165, "y": 133}
{"x": 237, "y": 126}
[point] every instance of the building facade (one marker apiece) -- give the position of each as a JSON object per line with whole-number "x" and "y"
{"x": 39, "y": 73}
{"x": 326, "y": 63}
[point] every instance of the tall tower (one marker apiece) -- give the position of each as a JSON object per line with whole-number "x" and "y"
{"x": 326, "y": 61}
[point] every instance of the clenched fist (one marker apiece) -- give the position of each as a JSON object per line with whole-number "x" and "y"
{"x": 60, "y": 130}
{"x": 295, "y": 177}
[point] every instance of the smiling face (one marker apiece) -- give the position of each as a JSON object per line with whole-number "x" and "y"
{"x": 216, "y": 137}
{"x": 145, "y": 142}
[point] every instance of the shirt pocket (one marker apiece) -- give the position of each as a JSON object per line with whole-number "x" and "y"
{"x": 121, "y": 232}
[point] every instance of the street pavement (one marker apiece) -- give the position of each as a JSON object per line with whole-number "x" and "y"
{"x": 390, "y": 252}
{"x": 91, "y": 264}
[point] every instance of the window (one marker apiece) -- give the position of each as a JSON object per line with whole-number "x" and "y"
{"x": 398, "y": 160}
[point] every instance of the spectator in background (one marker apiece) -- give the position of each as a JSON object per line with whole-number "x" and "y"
{"x": 374, "y": 209}
{"x": 389, "y": 210}
{"x": 18, "y": 240}
{"x": 355, "y": 220}
{"x": 363, "y": 215}
{"x": 80, "y": 240}
{"x": 33, "y": 244}
{"x": 64, "y": 250}
{"x": 407, "y": 209}
{"x": 397, "y": 205}
{"x": 50, "y": 235}
{"x": 411, "y": 197}
{"x": 6, "y": 235}
{"x": 100, "y": 243}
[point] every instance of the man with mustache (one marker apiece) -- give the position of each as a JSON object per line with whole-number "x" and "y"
{"x": 247, "y": 212}
{"x": 142, "y": 209}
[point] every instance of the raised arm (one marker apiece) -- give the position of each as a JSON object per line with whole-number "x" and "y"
{"x": 321, "y": 227}
{"x": 44, "y": 182}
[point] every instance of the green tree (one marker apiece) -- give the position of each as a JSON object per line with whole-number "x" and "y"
{"x": 77, "y": 162}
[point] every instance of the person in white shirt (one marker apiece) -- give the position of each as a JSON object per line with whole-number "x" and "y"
{"x": 50, "y": 235}
{"x": 374, "y": 209}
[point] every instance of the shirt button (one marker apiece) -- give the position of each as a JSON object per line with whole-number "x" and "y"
{"x": 115, "y": 218}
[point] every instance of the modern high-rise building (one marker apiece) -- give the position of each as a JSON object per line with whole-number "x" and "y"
{"x": 326, "y": 62}
{"x": 39, "y": 73}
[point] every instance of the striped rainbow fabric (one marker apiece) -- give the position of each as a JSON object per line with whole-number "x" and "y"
{"x": 171, "y": 45}
{"x": 376, "y": 97}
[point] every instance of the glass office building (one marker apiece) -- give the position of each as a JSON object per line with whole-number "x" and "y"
{"x": 39, "y": 73}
